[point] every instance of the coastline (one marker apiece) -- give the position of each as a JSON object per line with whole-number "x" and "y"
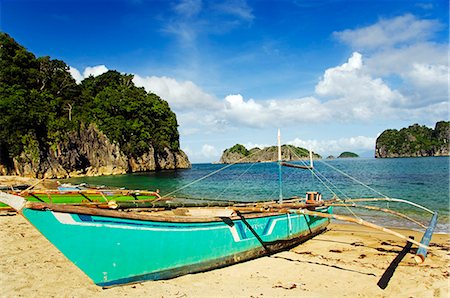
{"x": 346, "y": 260}
{"x": 9, "y": 181}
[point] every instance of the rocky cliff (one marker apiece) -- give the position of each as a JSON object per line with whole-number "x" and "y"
{"x": 414, "y": 141}
{"x": 239, "y": 154}
{"x": 88, "y": 152}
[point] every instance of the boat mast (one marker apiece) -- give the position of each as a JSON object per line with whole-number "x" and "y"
{"x": 279, "y": 168}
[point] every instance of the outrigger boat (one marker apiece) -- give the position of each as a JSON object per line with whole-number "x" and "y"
{"x": 121, "y": 242}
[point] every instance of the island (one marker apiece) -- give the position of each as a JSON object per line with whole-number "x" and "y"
{"x": 55, "y": 128}
{"x": 347, "y": 154}
{"x": 414, "y": 141}
{"x": 239, "y": 154}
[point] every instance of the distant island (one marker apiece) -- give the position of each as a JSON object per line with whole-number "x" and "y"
{"x": 414, "y": 141}
{"x": 347, "y": 154}
{"x": 52, "y": 127}
{"x": 239, "y": 154}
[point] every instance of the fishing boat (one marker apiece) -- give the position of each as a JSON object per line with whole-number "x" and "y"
{"x": 118, "y": 242}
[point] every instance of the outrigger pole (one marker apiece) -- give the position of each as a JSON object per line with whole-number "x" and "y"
{"x": 280, "y": 185}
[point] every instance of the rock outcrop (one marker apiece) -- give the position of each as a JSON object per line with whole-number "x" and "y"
{"x": 414, "y": 141}
{"x": 88, "y": 152}
{"x": 236, "y": 154}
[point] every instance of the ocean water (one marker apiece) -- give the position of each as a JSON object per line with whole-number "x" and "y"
{"x": 424, "y": 181}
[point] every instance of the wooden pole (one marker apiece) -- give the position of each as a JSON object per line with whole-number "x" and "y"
{"x": 280, "y": 183}
{"x": 379, "y": 209}
{"x": 361, "y": 222}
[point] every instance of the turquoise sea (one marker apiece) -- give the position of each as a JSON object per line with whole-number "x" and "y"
{"x": 424, "y": 181}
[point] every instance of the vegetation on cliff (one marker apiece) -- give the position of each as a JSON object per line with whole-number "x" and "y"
{"x": 239, "y": 153}
{"x": 414, "y": 141}
{"x": 347, "y": 154}
{"x": 41, "y": 104}
{"x": 239, "y": 149}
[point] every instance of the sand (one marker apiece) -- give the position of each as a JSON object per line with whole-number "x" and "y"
{"x": 346, "y": 260}
{"x": 36, "y": 183}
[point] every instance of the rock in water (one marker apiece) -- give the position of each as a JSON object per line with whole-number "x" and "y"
{"x": 414, "y": 141}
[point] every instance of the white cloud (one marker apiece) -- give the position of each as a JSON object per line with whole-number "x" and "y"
{"x": 88, "y": 71}
{"x": 357, "y": 95}
{"x": 335, "y": 147}
{"x": 76, "y": 74}
{"x": 430, "y": 81}
{"x": 400, "y": 30}
{"x": 236, "y": 8}
{"x": 398, "y": 61}
{"x": 94, "y": 71}
{"x": 180, "y": 95}
{"x": 188, "y": 8}
{"x": 206, "y": 153}
{"x": 209, "y": 151}
{"x": 403, "y": 51}
{"x": 273, "y": 112}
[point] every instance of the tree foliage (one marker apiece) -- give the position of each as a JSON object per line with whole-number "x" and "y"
{"x": 37, "y": 95}
{"x": 238, "y": 148}
{"x": 415, "y": 138}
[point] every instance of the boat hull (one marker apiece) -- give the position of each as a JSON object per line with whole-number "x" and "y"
{"x": 114, "y": 251}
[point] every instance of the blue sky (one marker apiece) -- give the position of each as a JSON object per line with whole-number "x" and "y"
{"x": 332, "y": 74}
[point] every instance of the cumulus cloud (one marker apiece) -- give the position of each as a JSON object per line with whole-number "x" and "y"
{"x": 76, "y": 74}
{"x": 209, "y": 151}
{"x": 88, "y": 71}
{"x": 271, "y": 113}
{"x": 356, "y": 94}
{"x": 206, "y": 153}
{"x": 400, "y": 30}
{"x": 181, "y": 95}
{"x": 403, "y": 48}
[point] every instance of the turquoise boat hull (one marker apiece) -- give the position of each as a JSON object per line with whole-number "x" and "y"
{"x": 114, "y": 251}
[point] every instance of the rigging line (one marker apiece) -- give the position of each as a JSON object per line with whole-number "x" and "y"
{"x": 345, "y": 195}
{"x": 313, "y": 172}
{"x": 385, "y": 197}
{"x": 354, "y": 179}
{"x": 390, "y": 200}
{"x": 206, "y": 176}
{"x": 234, "y": 182}
{"x": 331, "y": 183}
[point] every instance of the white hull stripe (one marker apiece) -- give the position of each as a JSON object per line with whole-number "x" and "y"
{"x": 67, "y": 219}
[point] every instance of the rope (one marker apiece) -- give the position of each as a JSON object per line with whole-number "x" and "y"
{"x": 386, "y": 198}
{"x": 354, "y": 179}
{"x": 234, "y": 182}
{"x": 335, "y": 195}
{"x": 206, "y": 176}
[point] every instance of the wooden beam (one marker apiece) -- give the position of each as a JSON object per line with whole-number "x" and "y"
{"x": 361, "y": 222}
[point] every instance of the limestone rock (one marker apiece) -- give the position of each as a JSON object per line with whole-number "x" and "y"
{"x": 88, "y": 152}
{"x": 414, "y": 141}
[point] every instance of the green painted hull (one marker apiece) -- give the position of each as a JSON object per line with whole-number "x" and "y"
{"x": 74, "y": 198}
{"x": 114, "y": 251}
